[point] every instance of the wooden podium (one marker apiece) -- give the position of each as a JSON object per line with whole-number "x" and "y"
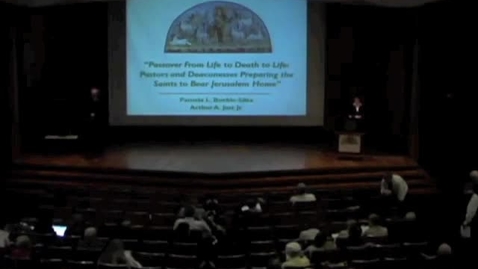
{"x": 350, "y": 142}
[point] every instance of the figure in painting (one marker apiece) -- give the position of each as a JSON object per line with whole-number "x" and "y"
{"x": 220, "y": 23}
{"x": 218, "y": 27}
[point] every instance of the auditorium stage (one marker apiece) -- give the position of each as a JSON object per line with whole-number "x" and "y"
{"x": 218, "y": 160}
{"x": 216, "y": 167}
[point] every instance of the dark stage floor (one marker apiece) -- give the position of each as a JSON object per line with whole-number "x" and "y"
{"x": 216, "y": 159}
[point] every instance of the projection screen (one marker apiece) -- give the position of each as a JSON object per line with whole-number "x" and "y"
{"x": 214, "y": 63}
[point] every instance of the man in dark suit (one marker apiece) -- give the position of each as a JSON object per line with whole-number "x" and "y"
{"x": 353, "y": 121}
{"x": 95, "y": 123}
{"x": 356, "y": 110}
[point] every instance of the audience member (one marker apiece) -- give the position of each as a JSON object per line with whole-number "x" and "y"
{"x": 182, "y": 233}
{"x": 294, "y": 256}
{"x": 374, "y": 228}
{"x": 406, "y": 229}
{"x": 115, "y": 254}
{"x": 252, "y": 206}
{"x": 194, "y": 224}
{"x": 211, "y": 205}
{"x": 77, "y": 226}
{"x": 395, "y": 185}
{"x": 90, "y": 240}
{"x": 474, "y": 176}
{"x": 4, "y": 236}
{"x": 124, "y": 228}
{"x": 354, "y": 238}
{"x": 442, "y": 258}
{"x": 302, "y": 195}
{"x": 22, "y": 249}
{"x": 445, "y": 257}
{"x": 345, "y": 233}
{"x": 322, "y": 241}
{"x": 199, "y": 212}
{"x": 308, "y": 235}
{"x": 471, "y": 209}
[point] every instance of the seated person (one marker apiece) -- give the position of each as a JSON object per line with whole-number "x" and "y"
{"x": 394, "y": 185}
{"x": 302, "y": 195}
{"x": 308, "y": 235}
{"x": 354, "y": 238}
{"x": 345, "y": 233}
{"x": 199, "y": 212}
{"x": 474, "y": 176}
{"x": 252, "y": 206}
{"x": 322, "y": 241}
{"x": 90, "y": 240}
{"x": 407, "y": 229}
{"x": 115, "y": 254}
{"x": 443, "y": 257}
{"x": 194, "y": 224}
{"x": 294, "y": 256}
{"x": 182, "y": 233}
{"x": 4, "y": 237}
{"x": 22, "y": 249}
{"x": 76, "y": 227}
{"x": 374, "y": 228}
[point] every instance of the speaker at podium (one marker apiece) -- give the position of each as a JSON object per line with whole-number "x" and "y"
{"x": 350, "y": 136}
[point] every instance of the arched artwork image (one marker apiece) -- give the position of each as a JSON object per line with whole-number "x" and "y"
{"x": 218, "y": 27}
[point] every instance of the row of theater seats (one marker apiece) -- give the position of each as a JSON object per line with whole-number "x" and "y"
{"x": 152, "y": 215}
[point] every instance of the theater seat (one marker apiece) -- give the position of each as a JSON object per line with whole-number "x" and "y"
{"x": 150, "y": 259}
{"x": 231, "y": 262}
{"x": 81, "y": 264}
{"x": 111, "y": 266}
{"x": 181, "y": 262}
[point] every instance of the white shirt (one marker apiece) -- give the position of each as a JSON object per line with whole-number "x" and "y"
{"x": 306, "y": 197}
{"x": 399, "y": 187}
{"x": 471, "y": 209}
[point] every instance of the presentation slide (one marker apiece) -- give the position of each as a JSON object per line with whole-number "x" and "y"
{"x": 205, "y": 60}
{"x": 192, "y": 57}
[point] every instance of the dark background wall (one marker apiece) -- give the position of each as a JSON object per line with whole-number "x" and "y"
{"x": 448, "y": 100}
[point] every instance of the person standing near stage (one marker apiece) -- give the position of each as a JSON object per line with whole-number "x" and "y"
{"x": 96, "y": 120}
{"x": 394, "y": 185}
{"x": 471, "y": 221}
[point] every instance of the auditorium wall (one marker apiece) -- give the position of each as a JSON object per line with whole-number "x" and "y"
{"x": 65, "y": 53}
{"x": 448, "y": 111}
{"x": 9, "y": 16}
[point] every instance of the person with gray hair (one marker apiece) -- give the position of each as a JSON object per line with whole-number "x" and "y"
{"x": 302, "y": 195}
{"x": 90, "y": 241}
{"x": 294, "y": 256}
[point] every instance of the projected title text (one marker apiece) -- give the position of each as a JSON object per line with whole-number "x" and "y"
{"x": 242, "y": 75}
